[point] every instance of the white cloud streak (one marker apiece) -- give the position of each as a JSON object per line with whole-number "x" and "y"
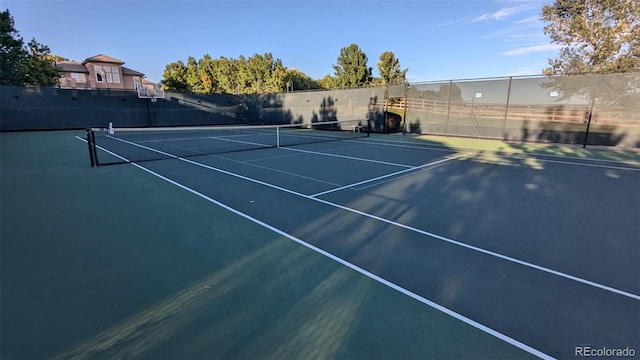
{"x": 532, "y": 49}
{"x": 529, "y": 20}
{"x": 503, "y": 13}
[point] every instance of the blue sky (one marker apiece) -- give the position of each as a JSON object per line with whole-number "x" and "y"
{"x": 436, "y": 40}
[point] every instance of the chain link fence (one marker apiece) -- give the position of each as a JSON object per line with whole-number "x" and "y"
{"x": 586, "y": 109}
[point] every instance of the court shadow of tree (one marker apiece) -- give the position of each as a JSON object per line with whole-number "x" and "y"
{"x": 414, "y": 127}
{"x": 195, "y": 109}
{"x": 327, "y": 112}
{"x": 376, "y": 117}
{"x": 610, "y": 98}
{"x": 476, "y": 200}
{"x": 268, "y": 109}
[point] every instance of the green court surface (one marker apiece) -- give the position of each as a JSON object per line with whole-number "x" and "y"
{"x": 259, "y": 254}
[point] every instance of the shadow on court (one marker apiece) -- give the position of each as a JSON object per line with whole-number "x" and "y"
{"x": 113, "y": 262}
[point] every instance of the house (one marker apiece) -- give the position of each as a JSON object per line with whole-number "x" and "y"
{"x": 100, "y": 72}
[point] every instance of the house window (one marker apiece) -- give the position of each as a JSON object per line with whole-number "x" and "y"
{"x": 98, "y": 70}
{"x": 110, "y": 74}
{"x": 78, "y": 77}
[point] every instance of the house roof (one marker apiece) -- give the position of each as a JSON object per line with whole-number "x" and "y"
{"x": 71, "y": 66}
{"x": 127, "y": 71}
{"x": 103, "y": 58}
{"x": 74, "y": 66}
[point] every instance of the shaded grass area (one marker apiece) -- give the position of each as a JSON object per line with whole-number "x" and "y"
{"x": 113, "y": 262}
{"x": 523, "y": 148}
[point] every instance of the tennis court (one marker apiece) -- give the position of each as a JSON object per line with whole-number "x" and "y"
{"x": 381, "y": 246}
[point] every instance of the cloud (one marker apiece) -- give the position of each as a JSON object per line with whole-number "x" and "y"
{"x": 529, "y": 20}
{"x": 465, "y": 19}
{"x": 532, "y": 49}
{"x": 503, "y": 13}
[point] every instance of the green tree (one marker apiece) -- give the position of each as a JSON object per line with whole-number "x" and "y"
{"x": 41, "y": 68}
{"x": 300, "y": 81}
{"x": 226, "y": 74}
{"x": 351, "y": 70}
{"x": 194, "y": 80}
{"x": 601, "y": 36}
{"x": 328, "y": 82}
{"x": 253, "y": 75}
{"x": 389, "y": 68}
{"x": 32, "y": 64}
{"x": 13, "y": 57}
{"x": 261, "y": 74}
{"x": 207, "y": 74}
{"x": 175, "y": 77}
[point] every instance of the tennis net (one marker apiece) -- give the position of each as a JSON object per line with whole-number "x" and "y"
{"x": 123, "y": 145}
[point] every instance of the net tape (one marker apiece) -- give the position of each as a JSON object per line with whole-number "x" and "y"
{"x": 122, "y": 145}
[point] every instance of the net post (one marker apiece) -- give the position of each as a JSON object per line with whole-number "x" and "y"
{"x": 90, "y": 145}
{"x": 94, "y": 147}
{"x": 278, "y": 136}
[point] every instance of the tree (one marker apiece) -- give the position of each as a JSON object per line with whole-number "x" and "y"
{"x": 12, "y": 56}
{"x": 300, "y": 80}
{"x": 32, "y": 64}
{"x": 257, "y": 74}
{"x": 175, "y": 77}
{"x": 192, "y": 73}
{"x": 351, "y": 70}
{"x": 207, "y": 74}
{"x": 389, "y": 68}
{"x": 597, "y": 36}
{"x": 328, "y": 82}
{"x": 40, "y": 69}
{"x": 226, "y": 74}
{"x": 264, "y": 74}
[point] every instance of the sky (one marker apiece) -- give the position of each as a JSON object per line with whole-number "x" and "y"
{"x": 435, "y": 40}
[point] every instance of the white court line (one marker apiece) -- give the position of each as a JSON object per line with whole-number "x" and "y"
{"x": 343, "y": 262}
{"x": 242, "y": 142}
{"x": 250, "y": 163}
{"x": 572, "y": 163}
{"x": 347, "y": 157}
{"x": 390, "y": 175}
{"x": 401, "y": 144}
{"x": 423, "y": 232}
{"x": 419, "y": 231}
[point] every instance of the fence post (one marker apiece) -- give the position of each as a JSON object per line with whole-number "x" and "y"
{"x": 404, "y": 113}
{"x": 446, "y": 124}
{"x": 593, "y": 93}
{"x": 506, "y": 110}
{"x": 586, "y": 134}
